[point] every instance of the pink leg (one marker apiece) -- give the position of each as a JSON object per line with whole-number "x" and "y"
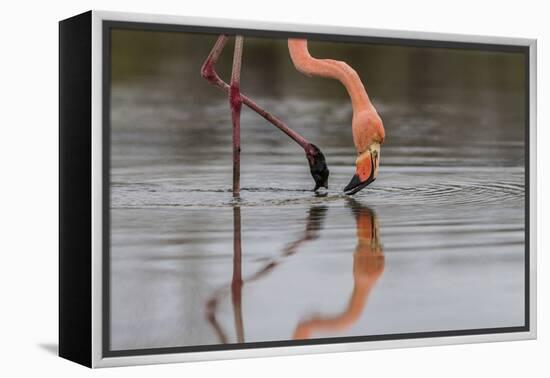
{"x": 235, "y": 101}
{"x": 315, "y": 157}
{"x": 209, "y": 73}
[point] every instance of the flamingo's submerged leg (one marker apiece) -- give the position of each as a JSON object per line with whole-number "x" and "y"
{"x": 316, "y": 159}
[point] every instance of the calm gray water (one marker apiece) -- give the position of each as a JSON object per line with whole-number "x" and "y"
{"x": 435, "y": 243}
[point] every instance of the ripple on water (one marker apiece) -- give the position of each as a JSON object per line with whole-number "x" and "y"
{"x": 396, "y": 187}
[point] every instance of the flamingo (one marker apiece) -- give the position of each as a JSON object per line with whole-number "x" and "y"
{"x": 367, "y": 127}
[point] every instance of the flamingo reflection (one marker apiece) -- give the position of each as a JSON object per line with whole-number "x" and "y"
{"x": 368, "y": 266}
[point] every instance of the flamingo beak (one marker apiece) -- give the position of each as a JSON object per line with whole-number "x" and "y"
{"x": 317, "y": 167}
{"x": 366, "y": 170}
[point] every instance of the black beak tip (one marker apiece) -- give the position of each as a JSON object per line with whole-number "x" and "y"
{"x": 356, "y": 184}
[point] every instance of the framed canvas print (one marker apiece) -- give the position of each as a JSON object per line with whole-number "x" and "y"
{"x": 233, "y": 189}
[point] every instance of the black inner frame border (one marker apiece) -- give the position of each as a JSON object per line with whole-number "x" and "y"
{"x": 109, "y": 25}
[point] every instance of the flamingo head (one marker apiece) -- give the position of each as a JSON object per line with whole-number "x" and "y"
{"x": 366, "y": 169}
{"x": 368, "y": 135}
{"x": 317, "y": 166}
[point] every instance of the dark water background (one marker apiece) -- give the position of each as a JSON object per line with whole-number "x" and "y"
{"x": 435, "y": 243}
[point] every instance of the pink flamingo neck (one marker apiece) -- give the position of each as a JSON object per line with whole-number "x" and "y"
{"x": 330, "y": 68}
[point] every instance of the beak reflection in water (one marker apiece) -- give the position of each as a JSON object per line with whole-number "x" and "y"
{"x": 368, "y": 266}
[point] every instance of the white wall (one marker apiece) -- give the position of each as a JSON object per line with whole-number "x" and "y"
{"x": 28, "y": 148}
